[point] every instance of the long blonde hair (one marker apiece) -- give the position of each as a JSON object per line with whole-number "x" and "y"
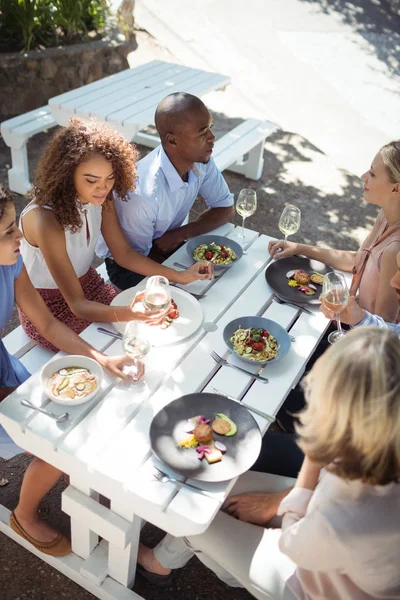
{"x": 390, "y": 154}
{"x": 352, "y": 419}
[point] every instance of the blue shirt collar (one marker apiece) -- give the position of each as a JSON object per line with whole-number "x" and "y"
{"x": 172, "y": 176}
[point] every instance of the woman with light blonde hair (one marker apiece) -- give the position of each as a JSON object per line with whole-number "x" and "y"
{"x": 339, "y": 537}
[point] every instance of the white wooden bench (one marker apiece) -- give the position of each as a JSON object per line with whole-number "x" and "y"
{"x": 240, "y": 150}
{"x": 16, "y": 132}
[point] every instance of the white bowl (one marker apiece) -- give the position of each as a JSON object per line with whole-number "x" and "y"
{"x": 71, "y": 361}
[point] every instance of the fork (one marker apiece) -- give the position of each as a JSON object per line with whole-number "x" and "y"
{"x": 279, "y": 301}
{"x": 265, "y": 416}
{"x": 164, "y": 478}
{"x": 196, "y": 296}
{"x": 222, "y": 361}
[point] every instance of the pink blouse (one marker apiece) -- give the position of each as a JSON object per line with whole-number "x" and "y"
{"x": 345, "y": 540}
{"x": 368, "y": 261}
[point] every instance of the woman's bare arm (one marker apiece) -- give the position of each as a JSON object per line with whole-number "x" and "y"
{"x": 338, "y": 259}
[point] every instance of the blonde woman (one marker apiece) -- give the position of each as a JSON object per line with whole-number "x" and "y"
{"x": 340, "y": 532}
{"x": 374, "y": 263}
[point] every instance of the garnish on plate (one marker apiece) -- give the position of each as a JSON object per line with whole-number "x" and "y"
{"x": 201, "y": 436}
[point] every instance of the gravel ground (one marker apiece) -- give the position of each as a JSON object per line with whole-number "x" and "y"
{"x": 333, "y": 213}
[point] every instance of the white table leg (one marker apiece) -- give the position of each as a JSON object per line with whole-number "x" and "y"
{"x": 18, "y": 175}
{"x": 122, "y": 561}
{"x": 83, "y": 539}
{"x": 253, "y": 166}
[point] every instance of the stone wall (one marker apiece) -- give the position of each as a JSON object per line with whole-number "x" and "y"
{"x": 28, "y": 80}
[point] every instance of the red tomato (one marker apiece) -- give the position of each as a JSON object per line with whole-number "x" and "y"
{"x": 258, "y": 346}
{"x": 174, "y": 304}
{"x": 224, "y": 254}
{"x": 265, "y": 333}
{"x": 208, "y": 255}
{"x": 173, "y": 313}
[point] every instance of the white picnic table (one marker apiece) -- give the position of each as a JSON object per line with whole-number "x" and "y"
{"x": 105, "y": 446}
{"x": 128, "y": 100}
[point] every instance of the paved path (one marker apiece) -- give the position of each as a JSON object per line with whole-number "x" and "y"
{"x": 325, "y": 69}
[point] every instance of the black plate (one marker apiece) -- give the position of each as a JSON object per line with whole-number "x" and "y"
{"x": 168, "y": 428}
{"x": 278, "y": 282}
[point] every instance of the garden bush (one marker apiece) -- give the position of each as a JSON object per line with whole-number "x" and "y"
{"x": 29, "y": 24}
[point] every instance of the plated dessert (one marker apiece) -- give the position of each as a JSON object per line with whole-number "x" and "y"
{"x": 201, "y": 432}
{"x": 305, "y": 282}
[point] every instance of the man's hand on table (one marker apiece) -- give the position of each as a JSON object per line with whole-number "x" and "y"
{"x": 198, "y": 271}
{"x": 255, "y": 507}
{"x": 351, "y": 315}
{"x": 169, "y": 240}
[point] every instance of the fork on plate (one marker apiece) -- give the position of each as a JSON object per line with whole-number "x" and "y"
{"x": 222, "y": 361}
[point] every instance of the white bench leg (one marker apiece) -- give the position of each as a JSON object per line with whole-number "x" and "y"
{"x": 122, "y": 561}
{"x": 18, "y": 175}
{"x": 251, "y": 168}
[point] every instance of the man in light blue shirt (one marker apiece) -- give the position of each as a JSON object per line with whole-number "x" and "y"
{"x": 356, "y": 316}
{"x": 169, "y": 180}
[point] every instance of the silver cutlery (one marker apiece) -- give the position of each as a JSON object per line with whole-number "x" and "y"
{"x": 196, "y": 296}
{"x": 223, "y": 361}
{"x": 58, "y": 418}
{"x": 181, "y": 266}
{"x": 113, "y": 334}
{"x": 299, "y": 306}
{"x": 164, "y": 478}
{"x": 266, "y": 416}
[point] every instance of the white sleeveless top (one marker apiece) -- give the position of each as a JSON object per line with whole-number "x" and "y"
{"x": 80, "y": 247}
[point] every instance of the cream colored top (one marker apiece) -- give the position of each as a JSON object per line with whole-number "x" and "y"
{"x": 80, "y": 247}
{"x": 345, "y": 540}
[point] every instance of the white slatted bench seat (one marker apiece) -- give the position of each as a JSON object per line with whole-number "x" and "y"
{"x": 230, "y": 150}
{"x": 21, "y": 346}
{"x": 16, "y": 132}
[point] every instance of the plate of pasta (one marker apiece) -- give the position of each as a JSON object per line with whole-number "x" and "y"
{"x": 257, "y": 340}
{"x": 221, "y": 251}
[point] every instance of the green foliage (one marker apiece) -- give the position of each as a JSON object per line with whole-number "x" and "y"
{"x": 25, "y": 24}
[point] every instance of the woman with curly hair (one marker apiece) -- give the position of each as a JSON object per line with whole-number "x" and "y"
{"x": 72, "y": 202}
{"x": 338, "y": 538}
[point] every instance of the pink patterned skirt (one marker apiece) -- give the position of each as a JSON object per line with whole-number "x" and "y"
{"x": 94, "y": 289}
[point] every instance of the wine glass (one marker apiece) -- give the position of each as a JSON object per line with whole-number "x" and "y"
{"x": 246, "y": 205}
{"x": 136, "y": 345}
{"x": 157, "y": 295}
{"x": 289, "y": 221}
{"x": 335, "y": 296}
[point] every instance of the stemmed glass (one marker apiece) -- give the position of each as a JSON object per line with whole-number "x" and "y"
{"x": 246, "y": 205}
{"x": 136, "y": 345}
{"x": 289, "y": 221}
{"x": 335, "y": 296}
{"x": 157, "y": 295}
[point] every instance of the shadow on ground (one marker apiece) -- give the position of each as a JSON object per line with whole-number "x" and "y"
{"x": 370, "y": 19}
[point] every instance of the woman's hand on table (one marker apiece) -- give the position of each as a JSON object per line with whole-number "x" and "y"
{"x": 281, "y": 249}
{"x": 139, "y": 311}
{"x": 255, "y": 507}
{"x": 115, "y": 366}
{"x": 198, "y": 271}
{"x": 351, "y": 315}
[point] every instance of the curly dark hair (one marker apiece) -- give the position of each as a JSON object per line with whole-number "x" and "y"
{"x": 5, "y": 200}
{"x": 54, "y": 182}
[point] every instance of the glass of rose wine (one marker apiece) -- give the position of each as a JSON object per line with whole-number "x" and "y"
{"x": 335, "y": 296}
{"x": 246, "y": 205}
{"x": 289, "y": 221}
{"x": 136, "y": 345}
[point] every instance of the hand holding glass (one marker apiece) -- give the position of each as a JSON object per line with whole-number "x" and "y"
{"x": 335, "y": 296}
{"x": 289, "y": 221}
{"x": 136, "y": 345}
{"x": 246, "y": 205}
{"x": 157, "y": 295}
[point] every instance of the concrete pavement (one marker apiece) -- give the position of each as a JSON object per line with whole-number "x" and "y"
{"x": 327, "y": 70}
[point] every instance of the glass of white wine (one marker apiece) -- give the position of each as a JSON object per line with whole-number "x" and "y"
{"x": 136, "y": 345}
{"x": 335, "y": 296}
{"x": 157, "y": 295}
{"x": 246, "y": 205}
{"x": 289, "y": 221}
